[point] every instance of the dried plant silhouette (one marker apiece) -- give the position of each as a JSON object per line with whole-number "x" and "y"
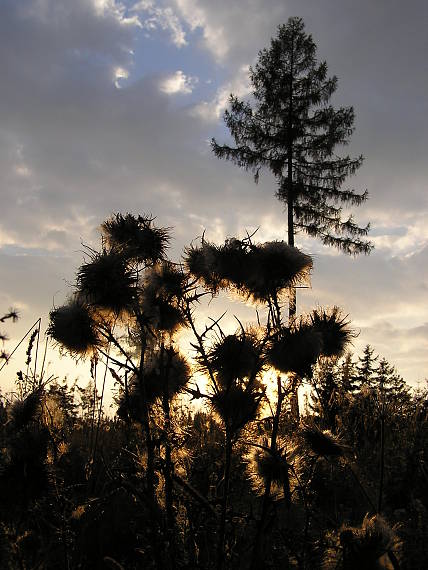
{"x": 206, "y": 463}
{"x": 206, "y": 459}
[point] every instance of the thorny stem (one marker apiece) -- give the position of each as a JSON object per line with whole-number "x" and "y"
{"x": 222, "y": 525}
{"x": 200, "y": 347}
{"x": 258, "y": 543}
{"x": 169, "y": 467}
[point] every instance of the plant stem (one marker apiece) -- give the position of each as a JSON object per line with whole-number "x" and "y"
{"x": 222, "y": 524}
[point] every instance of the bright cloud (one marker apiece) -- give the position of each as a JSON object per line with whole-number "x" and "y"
{"x": 117, "y": 10}
{"x": 197, "y": 17}
{"x": 229, "y": 27}
{"x": 211, "y": 111}
{"x": 120, "y": 73}
{"x": 161, "y": 18}
{"x": 178, "y": 83}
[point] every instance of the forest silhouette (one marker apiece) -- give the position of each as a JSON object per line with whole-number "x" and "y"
{"x": 270, "y": 445}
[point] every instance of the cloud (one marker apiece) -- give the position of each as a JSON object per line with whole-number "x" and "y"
{"x": 120, "y": 73}
{"x": 161, "y": 18}
{"x": 74, "y": 147}
{"x": 178, "y": 82}
{"x": 211, "y": 111}
{"x": 229, "y": 27}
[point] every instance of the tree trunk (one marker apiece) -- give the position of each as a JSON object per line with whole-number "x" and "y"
{"x": 290, "y": 218}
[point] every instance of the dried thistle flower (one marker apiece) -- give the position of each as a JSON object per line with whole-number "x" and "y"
{"x": 73, "y": 328}
{"x": 202, "y": 263}
{"x": 136, "y": 238}
{"x": 108, "y": 282}
{"x": 322, "y": 442}
{"x": 236, "y": 405}
{"x": 276, "y": 266}
{"x": 255, "y": 271}
{"x": 263, "y": 464}
{"x": 161, "y": 297}
{"x": 167, "y": 278}
{"x": 168, "y": 372}
{"x": 23, "y": 412}
{"x": 334, "y": 329}
{"x": 295, "y": 349}
{"x": 364, "y": 547}
{"x": 235, "y": 357}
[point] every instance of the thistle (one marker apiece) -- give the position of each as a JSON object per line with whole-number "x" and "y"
{"x": 255, "y": 271}
{"x": 364, "y": 547}
{"x": 73, "y": 327}
{"x": 263, "y": 465}
{"x": 236, "y": 406}
{"x": 108, "y": 282}
{"x": 202, "y": 263}
{"x": 295, "y": 349}
{"x": 168, "y": 373}
{"x": 167, "y": 278}
{"x": 334, "y": 329}
{"x": 24, "y": 412}
{"x": 136, "y": 238}
{"x": 276, "y": 266}
{"x": 163, "y": 290}
{"x": 235, "y": 357}
{"x": 322, "y": 443}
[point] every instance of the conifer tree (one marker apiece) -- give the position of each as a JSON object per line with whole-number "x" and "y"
{"x": 347, "y": 374}
{"x": 392, "y": 384}
{"x": 366, "y": 367}
{"x": 290, "y": 128}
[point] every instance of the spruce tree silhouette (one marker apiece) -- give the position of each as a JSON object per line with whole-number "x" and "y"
{"x": 290, "y": 128}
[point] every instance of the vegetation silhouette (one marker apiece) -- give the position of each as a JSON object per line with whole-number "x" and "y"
{"x": 289, "y": 127}
{"x": 239, "y": 481}
{"x": 208, "y": 462}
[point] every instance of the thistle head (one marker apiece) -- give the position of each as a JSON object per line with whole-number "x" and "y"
{"x": 255, "y": 271}
{"x": 164, "y": 374}
{"x": 236, "y": 406}
{"x": 364, "y": 547}
{"x": 73, "y": 328}
{"x": 263, "y": 464}
{"x": 136, "y": 238}
{"x": 164, "y": 286}
{"x": 202, "y": 263}
{"x": 295, "y": 349}
{"x": 167, "y": 279}
{"x": 24, "y": 412}
{"x": 322, "y": 443}
{"x": 334, "y": 329}
{"x": 108, "y": 282}
{"x": 276, "y": 266}
{"x": 236, "y": 357}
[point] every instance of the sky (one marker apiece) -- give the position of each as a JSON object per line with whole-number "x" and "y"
{"x": 109, "y": 106}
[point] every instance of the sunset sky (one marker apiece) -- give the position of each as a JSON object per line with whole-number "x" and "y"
{"x": 109, "y": 106}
